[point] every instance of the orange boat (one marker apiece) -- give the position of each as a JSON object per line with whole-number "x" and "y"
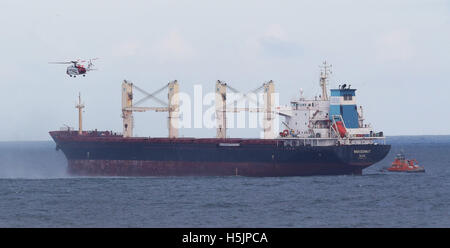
{"x": 401, "y": 164}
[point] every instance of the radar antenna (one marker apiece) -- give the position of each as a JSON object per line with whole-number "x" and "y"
{"x": 325, "y": 71}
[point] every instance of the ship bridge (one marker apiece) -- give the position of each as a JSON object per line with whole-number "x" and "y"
{"x": 343, "y": 103}
{"x": 337, "y": 117}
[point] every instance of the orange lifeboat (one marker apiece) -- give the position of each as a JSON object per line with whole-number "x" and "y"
{"x": 401, "y": 164}
{"x": 340, "y": 128}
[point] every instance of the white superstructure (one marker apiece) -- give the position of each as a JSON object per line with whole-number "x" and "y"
{"x": 327, "y": 120}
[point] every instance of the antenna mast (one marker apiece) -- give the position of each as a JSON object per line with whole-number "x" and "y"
{"x": 80, "y": 107}
{"x": 325, "y": 71}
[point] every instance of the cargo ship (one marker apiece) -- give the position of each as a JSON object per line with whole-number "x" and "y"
{"x": 325, "y": 135}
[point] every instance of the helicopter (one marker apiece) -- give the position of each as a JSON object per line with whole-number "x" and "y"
{"x": 76, "y": 68}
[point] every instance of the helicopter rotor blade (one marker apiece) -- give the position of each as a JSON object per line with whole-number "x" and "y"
{"x": 60, "y": 62}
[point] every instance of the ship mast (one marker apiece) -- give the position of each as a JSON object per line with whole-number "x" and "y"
{"x": 80, "y": 107}
{"x": 326, "y": 70}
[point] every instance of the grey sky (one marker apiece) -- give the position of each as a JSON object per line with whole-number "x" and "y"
{"x": 396, "y": 53}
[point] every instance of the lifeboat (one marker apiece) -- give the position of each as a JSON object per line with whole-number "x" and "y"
{"x": 340, "y": 128}
{"x": 401, "y": 164}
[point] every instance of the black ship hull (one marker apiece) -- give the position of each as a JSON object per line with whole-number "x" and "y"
{"x": 109, "y": 155}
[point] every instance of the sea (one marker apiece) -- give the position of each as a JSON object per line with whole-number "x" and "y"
{"x": 36, "y": 191}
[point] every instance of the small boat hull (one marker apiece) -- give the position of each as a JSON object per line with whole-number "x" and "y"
{"x": 415, "y": 170}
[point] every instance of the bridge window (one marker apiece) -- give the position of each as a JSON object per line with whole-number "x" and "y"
{"x": 347, "y": 97}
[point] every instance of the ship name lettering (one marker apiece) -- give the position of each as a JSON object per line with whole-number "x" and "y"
{"x": 361, "y": 151}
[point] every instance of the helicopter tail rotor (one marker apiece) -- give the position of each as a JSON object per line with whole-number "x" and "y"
{"x": 90, "y": 64}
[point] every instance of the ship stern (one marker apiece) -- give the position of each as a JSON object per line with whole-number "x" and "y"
{"x": 359, "y": 157}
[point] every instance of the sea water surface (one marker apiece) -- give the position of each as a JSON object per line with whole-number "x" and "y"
{"x": 35, "y": 191}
